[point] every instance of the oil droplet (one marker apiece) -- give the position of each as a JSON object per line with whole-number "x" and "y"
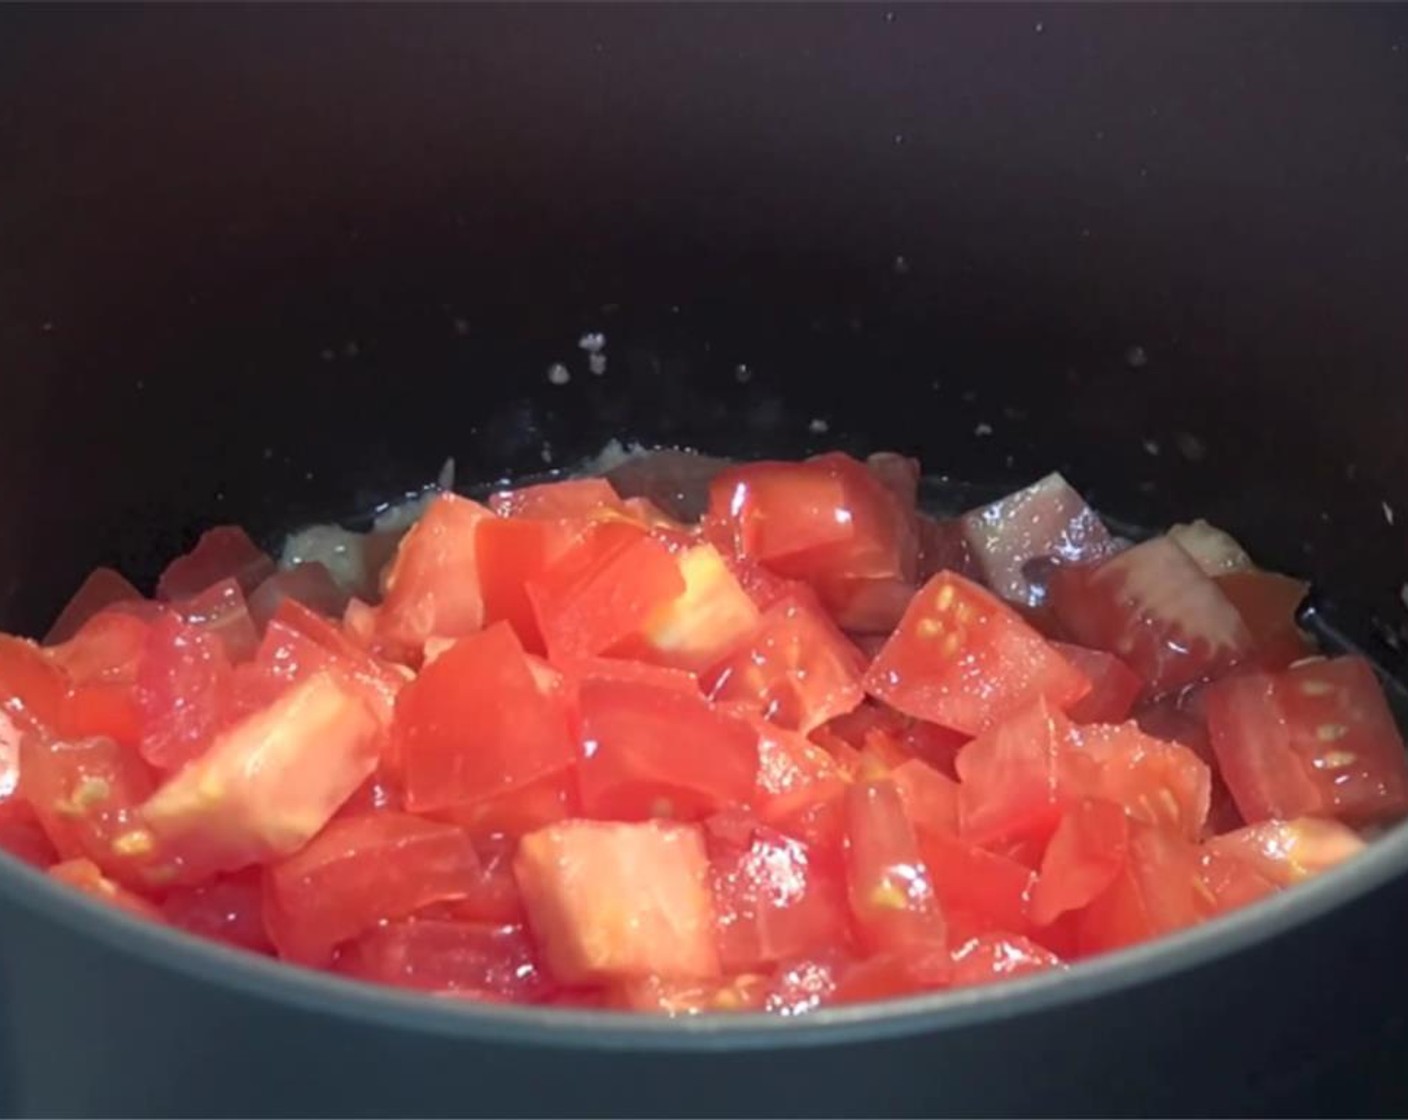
{"x": 559, "y": 374}
{"x": 1136, "y": 357}
{"x": 818, "y": 426}
{"x": 742, "y": 374}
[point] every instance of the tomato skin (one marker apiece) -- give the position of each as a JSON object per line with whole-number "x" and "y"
{"x": 360, "y": 871}
{"x": 553, "y": 501}
{"x": 224, "y": 552}
{"x": 1315, "y": 740}
{"x": 648, "y": 745}
{"x": 228, "y": 908}
{"x": 796, "y": 669}
{"x": 962, "y": 659}
{"x": 432, "y": 585}
{"x": 777, "y": 513}
{"x": 1087, "y": 852}
{"x": 1154, "y": 608}
{"x": 269, "y": 783}
{"x": 611, "y": 900}
{"x": 101, "y": 589}
{"x": 1114, "y": 686}
{"x": 182, "y": 691}
{"x": 85, "y": 876}
{"x": 465, "y": 958}
{"x": 1288, "y": 852}
{"x": 1268, "y": 602}
{"x": 891, "y": 890}
{"x": 520, "y": 735}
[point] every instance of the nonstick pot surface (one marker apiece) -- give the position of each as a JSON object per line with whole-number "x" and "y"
{"x": 274, "y": 265}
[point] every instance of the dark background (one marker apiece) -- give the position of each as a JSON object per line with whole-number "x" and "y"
{"x": 273, "y": 264}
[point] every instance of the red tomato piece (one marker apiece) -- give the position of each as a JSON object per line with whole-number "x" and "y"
{"x": 703, "y": 624}
{"x": 511, "y": 552}
{"x": 309, "y": 583}
{"x": 746, "y": 992}
{"x": 432, "y": 586}
{"x": 270, "y": 782}
{"x": 777, "y": 513}
{"x": 21, "y": 834}
{"x": 299, "y": 642}
{"x": 101, "y": 589}
{"x": 572, "y": 497}
{"x": 998, "y": 956}
{"x": 474, "y": 724}
{"x": 1154, "y": 608}
{"x": 796, "y": 670}
{"x": 103, "y": 708}
{"x": 224, "y": 552}
{"x": 612, "y": 900}
{"x": 1086, "y": 854}
{"x": 1287, "y": 852}
{"x": 1232, "y": 882}
{"x": 379, "y": 793}
{"x": 799, "y": 786}
{"x": 182, "y": 693}
{"x": 108, "y": 648}
{"x": 659, "y": 752}
{"x": 604, "y": 590}
{"x": 797, "y": 987}
{"x": 227, "y": 908}
{"x": 85, "y": 876}
{"x": 774, "y": 898}
{"x": 1114, "y": 686}
{"x": 1154, "y": 781}
{"x": 1181, "y": 720}
{"x": 1268, "y": 603}
{"x": 464, "y": 958}
{"x": 943, "y": 547}
{"x": 1315, "y": 740}
{"x": 547, "y": 800}
{"x": 87, "y": 795}
{"x": 1046, "y": 521}
{"x": 891, "y": 890}
{"x": 221, "y": 611}
{"x": 358, "y": 872}
{"x": 1018, "y": 778}
{"x": 895, "y": 973}
{"x": 493, "y": 896}
{"x": 31, "y": 688}
{"x": 962, "y": 659}
{"x": 1159, "y": 890}
{"x": 983, "y": 890}
{"x": 930, "y": 798}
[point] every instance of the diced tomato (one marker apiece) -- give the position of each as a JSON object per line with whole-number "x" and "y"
{"x": 270, "y": 782}
{"x": 224, "y": 552}
{"x": 611, "y": 900}
{"x": 603, "y": 591}
{"x": 796, "y": 670}
{"x": 382, "y": 791}
{"x": 983, "y": 890}
{"x": 930, "y": 799}
{"x": 1160, "y": 889}
{"x": 87, "y": 795}
{"x": 182, "y": 693}
{"x": 493, "y": 896}
{"x": 698, "y": 628}
{"x": 221, "y": 611}
{"x": 799, "y": 787}
{"x": 746, "y": 992}
{"x": 962, "y": 659}
{"x": 1315, "y": 740}
{"x": 465, "y": 958}
{"x": 1086, "y": 854}
{"x": 895, "y": 973}
{"x": 1157, "y": 782}
{"x": 1114, "y": 686}
{"x": 299, "y": 642}
{"x": 774, "y": 898}
{"x": 1216, "y": 552}
{"x": 776, "y": 513}
{"x": 474, "y": 724}
{"x": 995, "y": 957}
{"x": 943, "y": 547}
{"x": 310, "y": 583}
{"x": 1232, "y": 882}
{"x": 432, "y": 586}
{"x": 891, "y": 890}
{"x": 511, "y": 552}
{"x": 1046, "y": 521}
{"x": 568, "y": 498}
{"x": 659, "y": 752}
{"x": 101, "y": 589}
{"x": 1180, "y": 719}
{"x": 579, "y": 669}
{"x": 358, "y": 872}
{"x": 85, "y": 876}
{"x": 1155, "y": 609}
{"x": 1018, "y": 778}
{"x": 899, "y": 474}
{"x": 799, "y": 986}
{"x": 21, "y": 834}
{"x": 1287, "y": 852}
{"x": 227, "y": 908}
{"x": 551, "y": 798}
{"x": 31, "y": 688}
{"x": 108, "y": 647}
{"x": 1268, "y": 603}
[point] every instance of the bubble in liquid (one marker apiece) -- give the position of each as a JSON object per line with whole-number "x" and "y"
{"x": 559, "y": 374}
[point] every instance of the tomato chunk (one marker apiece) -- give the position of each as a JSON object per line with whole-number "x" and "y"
{"x": 1315, "y": 740}
{"x": 462, "y": 958}
{"x": 962, "y": 659}
{"x": 222, "y": 612}
{"x": 1287, "y": 852}
{"x": 796, "y": 669}
{"x": 270, "y": 782}
{"x": 572, "y": 497}
{"x": 1086, "y": 854}
{"x": 1114, "y": 686}
{"x": 182, "y": 693}
{"x": 85, "y": 876}
{"x": 619, "y": 900}
{"x": 1268, "y": 603}
{"x": 475, "y": 724}
{"x": 703, "y": 624}
{"x": 977, "y": 889}
{"x": 659, "y": 752}
{"x": 510, "y": 553}
{"x": 745, "y": 992}
{"x": 101, "y": 589}
{"x": 224, "y": 552}
{"x": 360, "y": 871}
{"x": 891, "y": 891}
{"x": 999, "y": 957}
{"x": 1157, "y": 782}
{"x": 227, "y": 908}
{"x": 1155, "y": 609}
{"x": 1160, "y": 889}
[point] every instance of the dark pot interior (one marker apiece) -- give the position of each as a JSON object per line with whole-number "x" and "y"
{"x": 275, "y": 264}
